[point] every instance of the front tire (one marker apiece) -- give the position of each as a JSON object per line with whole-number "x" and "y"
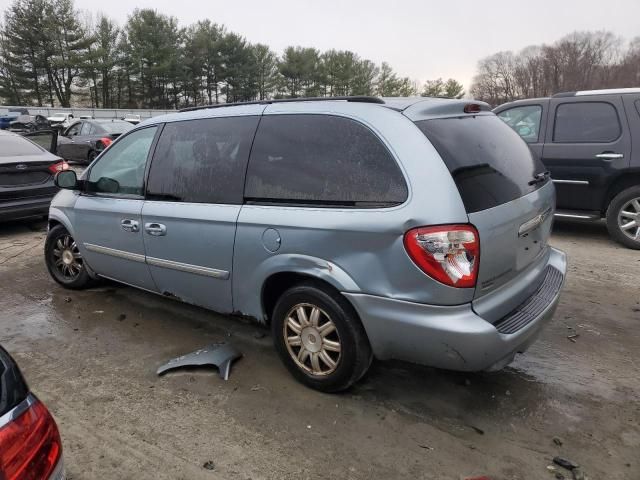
{"x": 319, "y": 338}
{"x": 64, "y": 260}
{"x": 623, "y": 218}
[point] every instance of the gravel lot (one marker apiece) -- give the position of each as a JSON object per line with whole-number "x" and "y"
{"x": 91, "y": 356}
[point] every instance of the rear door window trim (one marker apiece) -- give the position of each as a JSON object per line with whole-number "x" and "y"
{"x": 555, "y": 120}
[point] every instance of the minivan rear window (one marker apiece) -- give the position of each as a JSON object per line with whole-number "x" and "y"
{"x": 489, "y": 162}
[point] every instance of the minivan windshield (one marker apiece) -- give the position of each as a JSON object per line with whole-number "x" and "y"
{"x": 489, "y": 162}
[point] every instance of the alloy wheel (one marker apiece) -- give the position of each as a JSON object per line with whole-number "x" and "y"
{"x": 629, "y": 219}
{"x": 67, "y": 258}
{"x": 312, "y": 339}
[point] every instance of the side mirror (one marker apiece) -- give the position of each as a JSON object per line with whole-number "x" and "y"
{"x": 67, "y": 180}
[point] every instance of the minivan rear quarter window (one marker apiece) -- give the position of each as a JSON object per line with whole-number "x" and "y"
{"x": 586, "y": 122}
{"x": 322, "y": 160}
{"x": 489, "y": 162}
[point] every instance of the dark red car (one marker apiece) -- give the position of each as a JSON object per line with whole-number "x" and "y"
{"x": 30, "y": 445}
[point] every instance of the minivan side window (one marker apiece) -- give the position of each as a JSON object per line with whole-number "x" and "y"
{"x": 586, "y": 122}
{"x": 322, "y": 160}
{"x": 121, "y": 167}
{"x": 525, "y": 120}
{"x": 202, "y": 161}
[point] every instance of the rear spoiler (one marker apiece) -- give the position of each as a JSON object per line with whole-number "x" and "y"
{"x": 440, "y": 107}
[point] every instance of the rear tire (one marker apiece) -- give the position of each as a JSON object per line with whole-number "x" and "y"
{"x": 623, "y": 218}
{"x": 92, "y": 156}
{"x": 319, "y": 338}
{"x": 64, "y": 260}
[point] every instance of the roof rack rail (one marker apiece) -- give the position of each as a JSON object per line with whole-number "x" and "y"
{"x": 355, "y": 98}
{"x": 603, "y": 91}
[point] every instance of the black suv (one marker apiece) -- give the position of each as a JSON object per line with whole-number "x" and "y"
{"x": 590, "y": 143}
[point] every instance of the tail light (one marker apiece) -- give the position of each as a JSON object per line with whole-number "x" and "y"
{"x": 106, "y": 141}
{"x": 30, "y": 446}
{"x": 447, "y": 253}
{"x": 58, "y": 167}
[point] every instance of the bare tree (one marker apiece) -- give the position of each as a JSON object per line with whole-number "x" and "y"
{"x": 581, "y": 60}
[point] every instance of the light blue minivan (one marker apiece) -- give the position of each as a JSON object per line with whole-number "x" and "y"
{"x": 357, "y": 227}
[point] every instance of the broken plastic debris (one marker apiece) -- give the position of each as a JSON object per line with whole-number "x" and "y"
{"x": 220, "y": 355}
{"x": 564, "y": 463}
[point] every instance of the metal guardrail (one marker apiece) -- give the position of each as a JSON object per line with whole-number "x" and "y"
{"x": 94, "y": 112}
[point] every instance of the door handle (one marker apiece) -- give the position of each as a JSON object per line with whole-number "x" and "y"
{"x": 155, "y": 229}
{"x": 130, "y": 225}
{"x": 609, "y": 155}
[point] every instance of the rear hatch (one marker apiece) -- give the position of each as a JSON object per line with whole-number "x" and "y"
{"x": 507, "y": 194}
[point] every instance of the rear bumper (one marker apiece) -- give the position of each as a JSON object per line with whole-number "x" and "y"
{"x": 455, "y": 337}
{"x": 25, "y": 208}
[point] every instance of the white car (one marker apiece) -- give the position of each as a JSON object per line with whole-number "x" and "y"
{"x": 131, "y": 118}
{"x": 61, "y": 119}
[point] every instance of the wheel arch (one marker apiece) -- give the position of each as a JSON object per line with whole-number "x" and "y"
{"x": 629, "y": 178}
{"x": 56, "y": 217}
{"x": 281, "y": 272}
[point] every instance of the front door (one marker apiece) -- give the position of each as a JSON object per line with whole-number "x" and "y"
{"x": 83, "y": 141}
{"x": 194, "y": 197}
{"x": 587, "y": 142}
{"x": 67, "y": 142}
{"x": 108, "y": 214}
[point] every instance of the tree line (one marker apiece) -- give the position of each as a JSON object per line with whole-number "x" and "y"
{"x": 52, "y": 54}
{"x": 579, "y": 61}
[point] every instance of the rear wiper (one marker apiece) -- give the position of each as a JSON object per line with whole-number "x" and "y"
{"x": 539, "y": 178}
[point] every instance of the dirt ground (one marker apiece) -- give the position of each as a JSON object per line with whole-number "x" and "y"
{"x": 92, "y": 355}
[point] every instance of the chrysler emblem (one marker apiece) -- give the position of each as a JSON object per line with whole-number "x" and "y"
{"x": 534, "y": 223}
{"x": 21, "y": 166}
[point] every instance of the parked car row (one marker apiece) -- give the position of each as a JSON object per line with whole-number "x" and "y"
{"x": 29, "y": 123}
{"x": 588, "y": 141}
{"x": 84, "y": 140}
{"x": 10, "y": 116}
{"x": 61, "y": 120}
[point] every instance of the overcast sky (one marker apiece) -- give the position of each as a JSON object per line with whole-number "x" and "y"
{"x": 422, "y": 39}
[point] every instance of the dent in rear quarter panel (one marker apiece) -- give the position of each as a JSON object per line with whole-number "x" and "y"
{"x": 356, "y": 250}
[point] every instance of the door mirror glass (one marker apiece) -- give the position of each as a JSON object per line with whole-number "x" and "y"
{"x": 107, "y": 185}
{"x": 66, "y": 180}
